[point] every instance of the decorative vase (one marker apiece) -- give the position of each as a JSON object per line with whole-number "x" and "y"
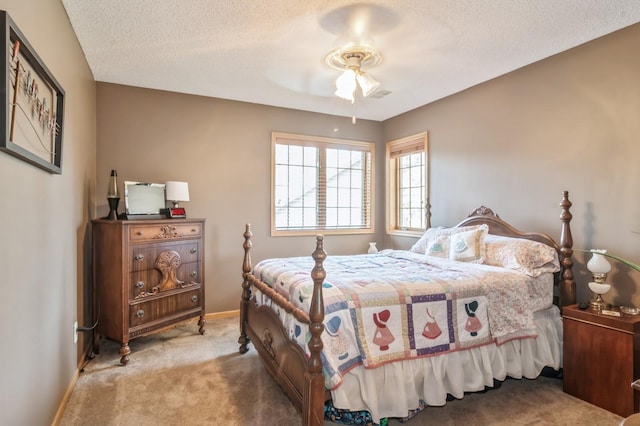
{"x": 372, "y": 248}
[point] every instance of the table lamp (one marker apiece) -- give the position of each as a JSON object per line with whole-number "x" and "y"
{"x": 113, "y": 196}
{"x": 175, "y": 192}
{"x": 599, "y": 266}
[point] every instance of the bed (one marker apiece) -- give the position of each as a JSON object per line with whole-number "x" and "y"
{"x": 447, "y": 320}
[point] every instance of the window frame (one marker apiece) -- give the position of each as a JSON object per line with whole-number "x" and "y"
{"x": 332, "y": 143}
{"x": 404, "y": 146}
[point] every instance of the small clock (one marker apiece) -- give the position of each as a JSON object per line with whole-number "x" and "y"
{"x": 176, "y": 212}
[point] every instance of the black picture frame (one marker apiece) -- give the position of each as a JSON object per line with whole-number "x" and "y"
{"x": 31, "y": 104}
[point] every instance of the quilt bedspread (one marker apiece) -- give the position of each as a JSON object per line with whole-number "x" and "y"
{"x": 397, "y": 305}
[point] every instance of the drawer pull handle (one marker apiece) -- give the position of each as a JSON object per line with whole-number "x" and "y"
{"x": 139, "y": 257}
{"x": 193, "y": 250}
{"x": 194, "y": 273}
{"x": 138, "y": 233}
{"x": 140, "y": 284}
{"x": 194, "y": 298}
{"x": 140, "y": 313}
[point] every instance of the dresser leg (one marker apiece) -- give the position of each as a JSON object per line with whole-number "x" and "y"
{"x": 201, "y": 324}
{"x": 125, "y": 351}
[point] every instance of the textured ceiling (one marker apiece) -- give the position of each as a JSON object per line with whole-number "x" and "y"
{"x": 272, "y": 51}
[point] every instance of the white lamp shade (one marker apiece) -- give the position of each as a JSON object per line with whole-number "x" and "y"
{"x": 346, "y": 85}
{"x": 349, "y": 80}
{"x": 367, "y": 84}
{"x": 598, "y": 264}
{"x": 177, "y": 191}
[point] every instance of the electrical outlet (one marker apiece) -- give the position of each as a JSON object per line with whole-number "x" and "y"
{"x": 75, "y": 332}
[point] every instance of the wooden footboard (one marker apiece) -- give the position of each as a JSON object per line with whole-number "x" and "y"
{"x": 300, "y": 376}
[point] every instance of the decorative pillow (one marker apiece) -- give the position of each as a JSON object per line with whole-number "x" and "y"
{"x": 468, "y": 240}
{"x": 438, "y": 246}
{"x": 421, "y": 245}
{"x": 530, "y": 257}
{"x": 469, "y": 246}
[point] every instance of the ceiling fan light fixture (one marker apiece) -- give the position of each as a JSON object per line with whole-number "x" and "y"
{"x": 349, "y": 59}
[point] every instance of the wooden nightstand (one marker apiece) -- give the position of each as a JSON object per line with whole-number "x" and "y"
{"x": 601, "y": 358}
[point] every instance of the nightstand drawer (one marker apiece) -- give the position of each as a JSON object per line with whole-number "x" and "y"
{"x": 164, "y": 231}
{"x": 158, "y": 308}
{"x": 148, "y": 256}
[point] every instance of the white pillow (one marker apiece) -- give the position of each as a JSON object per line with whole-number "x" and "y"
{"x": 438, "y": 246}
{"x": 465, "y": 244}
{"x": 420, "y": 246}
{"x": 469, "y": 246}
{"x": 530, "y": 257}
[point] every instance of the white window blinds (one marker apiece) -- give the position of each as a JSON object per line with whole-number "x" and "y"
{"x": 321, "y": 184}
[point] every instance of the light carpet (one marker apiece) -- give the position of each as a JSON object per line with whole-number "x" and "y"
{"x": 178, "y": 377}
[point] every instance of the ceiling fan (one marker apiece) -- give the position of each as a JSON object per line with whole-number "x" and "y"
{"x": 354, "y": 24}
{"x": 350, "y": 59}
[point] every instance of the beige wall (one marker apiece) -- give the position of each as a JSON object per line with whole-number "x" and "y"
{"x": 222, "y": 149}
{"x": 570, "y": 122}
{"x": 44, "y": 245}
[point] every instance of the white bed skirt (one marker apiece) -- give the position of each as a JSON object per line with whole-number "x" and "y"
{"x": 392, "y": 390}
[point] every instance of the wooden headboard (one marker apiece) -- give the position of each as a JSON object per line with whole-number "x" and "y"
{"x": 564, "y": 279}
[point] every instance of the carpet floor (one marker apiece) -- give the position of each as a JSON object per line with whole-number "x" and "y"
{"x": 178, "y": 377}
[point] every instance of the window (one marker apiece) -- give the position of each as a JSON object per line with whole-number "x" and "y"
{"x": 321, "y": 184}
{"x": 407, "y": 185}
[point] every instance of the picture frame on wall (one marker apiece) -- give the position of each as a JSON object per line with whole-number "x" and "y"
{"x": 32, "y": 104}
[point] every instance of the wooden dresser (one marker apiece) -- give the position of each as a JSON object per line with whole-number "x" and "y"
{"x": 147, "y": 275}
{"x": 601, "y": 358}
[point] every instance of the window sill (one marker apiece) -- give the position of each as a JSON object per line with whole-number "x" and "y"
{"x": 295, "y": 233}
{"x": 401, "y": 233}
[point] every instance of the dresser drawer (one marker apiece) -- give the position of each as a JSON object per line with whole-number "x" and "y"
{"x": 146, "y": 256}
{"x": 141, "y": 283}
{"x": 158, "y": 308}
{"x": 145, "y": 232}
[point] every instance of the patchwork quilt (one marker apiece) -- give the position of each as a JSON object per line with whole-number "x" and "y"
{"x": 397, "y": 305}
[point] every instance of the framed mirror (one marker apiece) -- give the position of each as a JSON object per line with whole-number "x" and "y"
{"x": 144, "y": 200}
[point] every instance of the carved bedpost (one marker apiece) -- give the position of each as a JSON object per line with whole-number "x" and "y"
{"x": 567, "y": 285}
{"x": 313, "y": 393}
{"x": 246, "y": 291}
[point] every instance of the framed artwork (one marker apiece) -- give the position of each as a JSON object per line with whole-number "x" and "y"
{"x": 32, "y": 104}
